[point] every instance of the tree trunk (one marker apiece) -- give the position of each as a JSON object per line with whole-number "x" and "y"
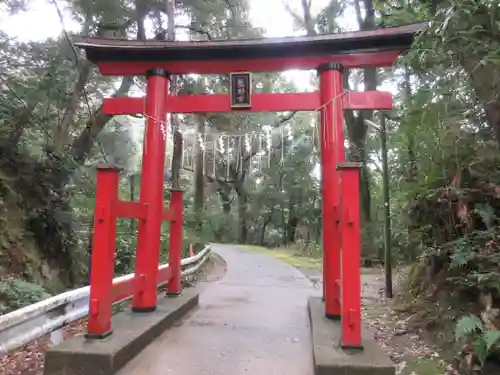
{"x": 177, "y": 147}
{"x": 224, "y": 192}
{"x": 487, "y": 89}
{"x": 357, "y": 130}
{"x": 82, "y": 145}
{"x": 242, "y": 211}
{"x": 263, "y": 230}
{"x": 284, "y": 237}
{"x": 199, "y": 182}
{"x": 242, "y": 218}
{"x": 62, "y": 130}
{"x": 477, "y": 61}
{"x": 411, "y": 170}
{"x": 291, "y": 229}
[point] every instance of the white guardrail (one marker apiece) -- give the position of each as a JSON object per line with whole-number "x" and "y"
{"x": 22, "y": 326}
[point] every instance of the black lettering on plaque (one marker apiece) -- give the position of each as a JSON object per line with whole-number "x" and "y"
{"x": 241, "y": 90}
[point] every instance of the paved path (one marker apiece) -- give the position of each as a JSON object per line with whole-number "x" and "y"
{"x": 252, "y": 321}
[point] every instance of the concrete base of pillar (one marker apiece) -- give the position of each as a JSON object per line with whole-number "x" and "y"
{"x": 131, "y": 333}
{"x": 331, "y": 359}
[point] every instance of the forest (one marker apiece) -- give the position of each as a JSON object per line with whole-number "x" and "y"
{"x": 254, "y": 179}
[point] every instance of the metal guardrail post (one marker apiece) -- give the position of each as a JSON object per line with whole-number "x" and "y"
{"x": 103, "y": 252}
{"x": 29, "y": 323}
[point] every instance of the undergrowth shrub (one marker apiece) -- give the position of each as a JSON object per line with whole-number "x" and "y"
{"x": 479, "y": 341}
{"x": 16, "y": 293}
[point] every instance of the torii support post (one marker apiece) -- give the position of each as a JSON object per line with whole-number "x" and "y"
{"x": 351, "y": 258}
{"x": 332, "y": 152}
{"x": 152, "y": 181}
{"x": 103, "y": 252}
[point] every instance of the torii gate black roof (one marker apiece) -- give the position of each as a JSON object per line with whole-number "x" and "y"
{"x": 395, "y": 38}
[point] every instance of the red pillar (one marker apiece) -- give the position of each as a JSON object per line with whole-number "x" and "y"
{"x": 175, "y": 255}
{"x": 152, "y": 181}
{"x": 351, "y": 244}
{"x": 103, "y": 253}
{"x": 332, "y": 152}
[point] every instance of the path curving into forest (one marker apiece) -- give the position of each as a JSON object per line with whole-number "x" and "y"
{"x": 252, "y": 321}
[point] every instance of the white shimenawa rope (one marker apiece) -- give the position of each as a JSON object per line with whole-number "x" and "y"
{"x": 247, "y": 138}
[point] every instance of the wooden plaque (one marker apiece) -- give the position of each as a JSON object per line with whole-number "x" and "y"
{"x": 241, "y": 90}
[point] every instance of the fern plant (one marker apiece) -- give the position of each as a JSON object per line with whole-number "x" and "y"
{"x": 471, "y": 330}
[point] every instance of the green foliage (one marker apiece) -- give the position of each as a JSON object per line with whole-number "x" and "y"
{"x": 16, "y": 293}
{"x": 474, "y": 262}
{"x": 52, "y": 132}
{"x": 442, "y": 139}
{"x": 126, "y": 245}
{"x": 470, "y": 329}
{"x": 468, "y": 325}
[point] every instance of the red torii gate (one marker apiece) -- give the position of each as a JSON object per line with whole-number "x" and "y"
{"x": 329, "y": 54}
